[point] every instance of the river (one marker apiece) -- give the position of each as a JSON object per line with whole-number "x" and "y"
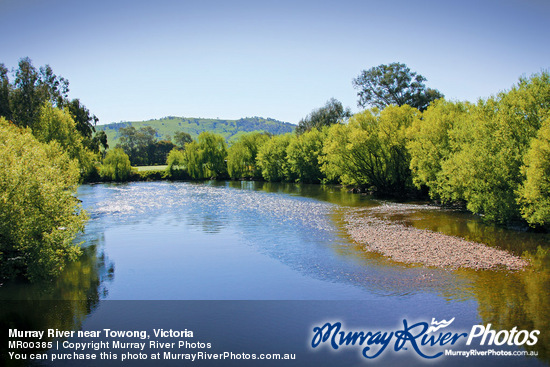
{"x": 235, "y": 241}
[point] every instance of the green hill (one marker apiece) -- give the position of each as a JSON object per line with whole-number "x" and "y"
{"x": 229, "y": 129}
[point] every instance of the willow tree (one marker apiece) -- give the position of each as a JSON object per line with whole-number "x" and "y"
{"x": 486, "y": 169}
{"x": 534, "y": 193}
{"x": 205, "y": 157}
{"x": 241, "y": 156}
{"x": 304, "y": 156}
{"x": 272, "y": 158}
{"x": 370, "y": 151}
{"x": 116, "y": 165}
{"x": 434, "y": 138}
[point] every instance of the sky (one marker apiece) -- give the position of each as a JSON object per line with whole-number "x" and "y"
{"x": 140, "y": 60}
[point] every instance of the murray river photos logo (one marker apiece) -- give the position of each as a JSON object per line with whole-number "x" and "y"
{"x": 426, "y": 340}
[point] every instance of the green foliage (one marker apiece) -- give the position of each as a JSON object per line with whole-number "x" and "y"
{"x": 136, "y": 143}
{"x": 39, "y": 214}
{"x": 534, "y": 194}
{"x": 99, "y": 142}
{"x": 32, "y": 100}
{"x": 182, "y": 138}
{"x": 501, "y": 135}
{"x": 304, "y": 154}
{"x": 143, "y": 147}
{"x": 5, "y": 89}
{"x": 332, "y": 113}
{"x": 272, "y": 160}
{"x": 370, "y": 151}
{"x": 384, "y": 85}
{"x": 58, "y": 125}
{"x": 158, "y": 152}
{"x": 205, "y": 158}
{"x": 483, "y": 149}
{"x": 193, "y": 162}
{"x": 431, "y": 144}
{"x": 31, "y": 89}
{"x": 85, "y": 125}
{"x": 241, "y": 156}
{"x": 116, "y": 166}
{"x": 176, "y": 164}
{"x": 84, "y": 121}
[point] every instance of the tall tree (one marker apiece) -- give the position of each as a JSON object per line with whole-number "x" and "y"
{"x": 5, "y": 88}
{"x": 332, "y": 113}
{"x": 32, "y": 88}
{"x": 85, "y": 122}
{"x": 136, "y": 143}
{"x": 383, "y": 85}
{"x": 181, "y": 139}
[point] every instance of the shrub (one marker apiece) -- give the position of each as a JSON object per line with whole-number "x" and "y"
{"x": 116, "y": 165}
{"x": 39, "y": 214}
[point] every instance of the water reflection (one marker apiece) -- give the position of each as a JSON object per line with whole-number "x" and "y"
{"x": 63, "y": 304}
{"x": 257, "y": 240}
{"x": 504, "y": 299}
{"x": 519, "y": 300}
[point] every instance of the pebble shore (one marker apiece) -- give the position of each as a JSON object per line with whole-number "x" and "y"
{"x": 416, "y": 246}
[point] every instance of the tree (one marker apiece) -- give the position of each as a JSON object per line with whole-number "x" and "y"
{"x": 58, "y": 125}
{"x": 23, "y": 102}
{"x": 433, "y": 141}
{"x": 205, "y": 158}
{"x": 5, "y": 90}
{"x": 159, "y": 150}
{"x": 304, "y": 155}
{"x": 32, "y": 88}
{"x": 85, "y": 122}
{"x": 534, "y": 193}
{"x": 370, "y": 151}
{"x": 213, "y": 153}
{"x": 193, "y": 161}
{"x": 384, "y": 85}
{"x": 489, "y": 150}
{"x": 99, "y": 141}
{"x": 332, "y": 113}
{"x": 272, "y": 159}
{"x": 181, "y": 139}
{"x": 39, "y": 212}
{"x": 241, "y": 156}
{"x": 137, "y": 142}
{"x": 116, "y": 165}
{"x": 176, "y": 163}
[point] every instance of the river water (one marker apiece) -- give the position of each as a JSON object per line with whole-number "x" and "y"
{"x": 230, "y": 241}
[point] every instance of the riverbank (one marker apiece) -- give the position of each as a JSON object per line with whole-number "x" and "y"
{"x": 410, "y": 245}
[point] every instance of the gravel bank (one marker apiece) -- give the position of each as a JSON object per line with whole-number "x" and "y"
{"x": 415, "y": 246}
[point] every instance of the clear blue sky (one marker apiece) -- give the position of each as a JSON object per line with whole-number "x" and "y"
{"x": 137, "y": 60}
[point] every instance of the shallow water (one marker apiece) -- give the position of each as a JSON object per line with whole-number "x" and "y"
{"x": 264, "y": 241}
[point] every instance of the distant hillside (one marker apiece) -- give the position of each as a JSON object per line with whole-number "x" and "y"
{"x": 229, "y": 129}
